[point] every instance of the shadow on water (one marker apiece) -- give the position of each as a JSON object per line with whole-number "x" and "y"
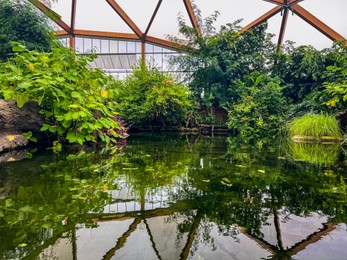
{"x": 177, "y": 197}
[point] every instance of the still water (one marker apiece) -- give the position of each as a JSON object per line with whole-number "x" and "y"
{"x": 177, "y": 197}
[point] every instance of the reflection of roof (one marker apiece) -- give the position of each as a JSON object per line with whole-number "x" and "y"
{"x": 156, "y": 234}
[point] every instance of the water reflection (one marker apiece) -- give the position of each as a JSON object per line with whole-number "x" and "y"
{"x": 175, "y": 197}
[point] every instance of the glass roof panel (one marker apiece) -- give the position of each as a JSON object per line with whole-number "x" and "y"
{"x": 98, "y": 15}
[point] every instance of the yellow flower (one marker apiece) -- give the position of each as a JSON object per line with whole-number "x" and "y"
{"x": 104, "y": 93}
{"x": 31, "y": 66}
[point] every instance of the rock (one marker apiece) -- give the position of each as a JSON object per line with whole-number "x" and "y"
{"x": 11, "y": 142}
{"x": 13, "y": 156}
{"x": 19, "y": 120}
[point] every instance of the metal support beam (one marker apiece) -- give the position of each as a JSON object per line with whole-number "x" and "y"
{"x": 316, "y": 23}
{"x": 51, "y": 14}
{"x": 263, "y": 18}
{"x": 125, "y": 18}
{"x": 192, "y": 17}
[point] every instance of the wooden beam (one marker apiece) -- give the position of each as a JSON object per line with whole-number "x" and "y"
{"x": 88, "y": 33}
{"x": 72, "y": 24}
{"x": 192, "y": 16}
{"x": 262, "y": 18}
{"x": 152, "y": 18}
{"x": 316, "y": 23}
{"x": 284, "y": 3}
{"x": 51, "y": 14}
{"x": 122, "y": 240}
{"x": 191, "y": 237}
{"x": 125, "y": 18}
{"x": 164, "y": 43}
{"x": 125, "y": 36}
{"x": 143, "y": 51}
{"x": 313, "y": 238}
{"x": 283, "y": 27}
{"x": 294, "y": 2}
{"x": 61, "y": 33}
{"x": 276, "y": 2}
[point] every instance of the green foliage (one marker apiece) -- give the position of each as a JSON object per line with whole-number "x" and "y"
{"x": 55, "y": 201}
{"x": 220, "y": 58}
{"x": 316, "y": 153}
{"x": 301, "y": 69}
{"x": 336, "y": 82}
{"x": 70, "y": 94}
{"x": 21, "y": 22}
{"x": 315, "y": 125}
{"x": 150, "y": 98}
{"x": 259, "y": 107}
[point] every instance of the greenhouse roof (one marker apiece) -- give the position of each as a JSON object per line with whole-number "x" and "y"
{"x": 302, "y": 21}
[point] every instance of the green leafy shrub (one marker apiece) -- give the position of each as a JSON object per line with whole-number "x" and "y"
{"x": 258, "y": 107}
{"x": 315, "y": 125}
{"x": 336, "y": 80}
{"x": 150, "y": 98}
{"x": 72, "y": 96}
{"x": 21, "y": 22}
{"x": 222, "y": 57}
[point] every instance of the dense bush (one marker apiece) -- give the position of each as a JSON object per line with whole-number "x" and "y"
{"x": 259, "y": 107}
{"x": 71, "y": 95}
{"x": 336, "y": 79}
{"x": 21, "y": 22}
{"x": 150, "y": 98}
{"x": 216, "y": 59}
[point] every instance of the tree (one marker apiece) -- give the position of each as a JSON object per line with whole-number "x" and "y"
{"x": 215, "y": 60}
{"x": 21, "y": 22}
{"x": 259, "y": 107}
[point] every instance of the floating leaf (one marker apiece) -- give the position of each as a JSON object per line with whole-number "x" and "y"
{"x": 261, "y": 171}
{"x": 225, "y": 181}
{"x": 206, "y": 180}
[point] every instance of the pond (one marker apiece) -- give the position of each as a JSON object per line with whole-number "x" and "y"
{"x": 177, "y": 197}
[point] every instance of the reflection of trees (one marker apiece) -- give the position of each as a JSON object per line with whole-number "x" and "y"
{"x": 247, "y": 187}
{"x": 52, "y": 201}
{"x": 208, "y": 181}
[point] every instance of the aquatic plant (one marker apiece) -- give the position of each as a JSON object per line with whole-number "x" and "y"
{"x": 316, "y": 153}
{"x": 315, "y": 125}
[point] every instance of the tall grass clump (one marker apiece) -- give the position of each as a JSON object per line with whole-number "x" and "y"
{"x": 315, "y": 125}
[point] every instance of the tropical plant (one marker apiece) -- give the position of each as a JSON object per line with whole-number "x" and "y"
{"x": 301, "y": 69}
{"x": 258, "y": 107}
{"x": 72, "y": 96}
{"x": 315, "y": 125}
{"x": 150, "y": 98}
{"x": 336, "y": 79}
{"x": 21, "y": 22}
{"x": 215, "y": 60}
